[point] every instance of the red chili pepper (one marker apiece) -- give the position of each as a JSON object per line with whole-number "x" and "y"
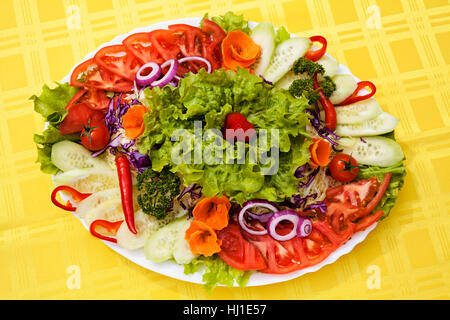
{"x": 126, "y": 190}
{"x": 328, "y": 107}
{"x": 76, "y": 196}
{"x": 355, "y": 98}
{"x": 111, "y": 227}
{"x": 319, "y": 53}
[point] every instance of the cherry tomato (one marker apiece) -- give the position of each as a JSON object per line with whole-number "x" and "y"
{"x": 89, "y": 75}
{"x": 344, "y": 168}
{"x": 139, "y": 44}
{"x": 78, "y": 114}
{"x": 118, "y": 60}
{"x": 94, "y": 135}
{"x": 239, "y": 126}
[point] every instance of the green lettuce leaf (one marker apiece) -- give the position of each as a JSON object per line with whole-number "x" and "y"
{"x": 208, "y": 98}
{"x": 217, "y": 272}
{"x": 51, "y": 105}
{"x": 230, "y": 21}
{"x": 281, "y": 35}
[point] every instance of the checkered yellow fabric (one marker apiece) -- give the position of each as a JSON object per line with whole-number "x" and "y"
{"x": 403, "y": 46}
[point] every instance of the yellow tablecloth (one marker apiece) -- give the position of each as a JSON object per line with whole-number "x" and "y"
{"x": 401, "y": 46}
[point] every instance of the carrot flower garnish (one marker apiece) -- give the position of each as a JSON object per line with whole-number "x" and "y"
{"x": 202, "y": 239}
{"x": 213, "y": 212}
{"x": 239, "y": 50}
{"x": 133, "y": 121}
{"x": 320, "y": 152}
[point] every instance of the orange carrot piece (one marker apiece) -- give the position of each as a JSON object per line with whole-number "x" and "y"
{"x": 239, "y": 50}
{"x": 320, "y": 152}
{"x": 133, "y": 121}
{"x": 202, "y": 239}
{"x": 213, "y": 211}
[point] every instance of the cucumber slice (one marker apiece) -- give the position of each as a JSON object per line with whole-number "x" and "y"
{"x": 329, "y": 64}
{"x": 67, "y": 155}
{"x": 145, "y": 226}
{"x": 382, "y": 124}
{"x": 264, "y": 35}
{"x": 357, "y": 112}
{"x": 96, "y": 199}
{"x": 162, "y": 244}
{"x": 286, "y": 81}
{"x": 88, "y": 180}
{"x": 182, "y": 253}
{"x": 284, "y": 57}
{"x": 376, "y": 151}
{"x": 345, "y": 86}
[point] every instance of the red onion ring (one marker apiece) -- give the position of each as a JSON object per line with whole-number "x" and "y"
{"x": 251, "y": 204}
{"x": 304, "y": 227}
{"x": 279, "y": 216}
{"x": 173, "y": 67}
{"x": 143, "y": 81}
{"x": 199, "y": 59}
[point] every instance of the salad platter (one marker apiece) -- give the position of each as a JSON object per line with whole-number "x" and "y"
{"x": 115, "y": 135}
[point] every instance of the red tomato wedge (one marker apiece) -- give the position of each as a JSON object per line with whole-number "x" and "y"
{"x": 237, "y": 252}
{"x": 90, "y": 75}
{"x": 140, "y": 45}
{"x": 165, "y": 42}
{"x": 118, "y": 60}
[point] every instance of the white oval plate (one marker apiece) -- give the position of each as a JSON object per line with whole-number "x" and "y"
{"x": 176, "y": 271}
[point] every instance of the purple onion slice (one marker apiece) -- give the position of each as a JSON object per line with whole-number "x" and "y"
{"x": 252, "y": 204}
{"x": 173, "y": 67}
{"x": 147, "y": 79}
{"x": 199, "y": 59}
{"x": 285, "y": 215}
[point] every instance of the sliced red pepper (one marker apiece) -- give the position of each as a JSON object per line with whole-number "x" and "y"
{"x": 76, "y": 196}
{"x": 126, "y": 190}
{"x": 319, "y": 53}
{"x": 328, "y": 107}
{"x": 383, "y": 187}
{"x": 354, "y": 96}
{"x": 111, "y": 227}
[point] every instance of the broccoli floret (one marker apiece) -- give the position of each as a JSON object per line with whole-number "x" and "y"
{"x": 304, "y": 87}
{"x": 156, "y": 191}
{"x": 328, "y": 86}
{"x": 304, "y": 65}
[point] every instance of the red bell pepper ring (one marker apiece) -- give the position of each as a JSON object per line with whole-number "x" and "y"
{"x": 111, "y": 227}
{"x": 126, "y": 190}
{"x": 354, "y": 96}
{"x": 76, "y": 196}
{"x": 328, "y": 107}
{"x": 315, "y": 55}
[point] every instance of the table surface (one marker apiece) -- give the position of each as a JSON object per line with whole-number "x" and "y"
{"x": 401, "y": 46}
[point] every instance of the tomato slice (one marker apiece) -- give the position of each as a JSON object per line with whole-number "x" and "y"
{"x": 165, "y": 42}
{"x": 357, "y": 193}
{"x": 140, "y": 45}
{"x": 89, "y": 75}
{"x": 213, "y": 52}
{"x": 237, "y": 252}
{"x": 76, "y": 98}
{"x": 77, "y": 116}
{"x": 118, "y": 60}
{"x": 96, "y": 99}
{"x": 189, "y": 39}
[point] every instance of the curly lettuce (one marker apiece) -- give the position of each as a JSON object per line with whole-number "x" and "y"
{"x": 230, "y": 22}
{"x": 51, "y": 105}
{"x": 217, "y": 272}
{"x": 207, "y": 99}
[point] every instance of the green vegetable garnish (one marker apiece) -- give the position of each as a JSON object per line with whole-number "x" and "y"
{"x": 156, "y": 191}
{"x": 304, "y": 65}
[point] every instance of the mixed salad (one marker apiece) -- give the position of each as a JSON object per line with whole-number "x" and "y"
{"x": 109, "y": 144}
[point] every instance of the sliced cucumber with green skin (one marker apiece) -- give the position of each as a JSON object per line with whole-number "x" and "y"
{"x": 286, "y": 81}
{"x": 375, "y": 151}
{"x": 264, "y": 35}
{"x": 162, "y": 244}
{"x": 329, "y": 64}
{"x": 357, "y": 112}
{"x": 345, "y": 86}
{"x": 382, "y": 124}
{"x": 145, "y": 225}
{"x": 284, "y": 57}
{"x": 67, "y": 155}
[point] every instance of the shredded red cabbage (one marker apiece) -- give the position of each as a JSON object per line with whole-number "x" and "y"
{"x": 322, "y": 206}
{"x": 138, "y": 160}
{"x": 320, "y": 127}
